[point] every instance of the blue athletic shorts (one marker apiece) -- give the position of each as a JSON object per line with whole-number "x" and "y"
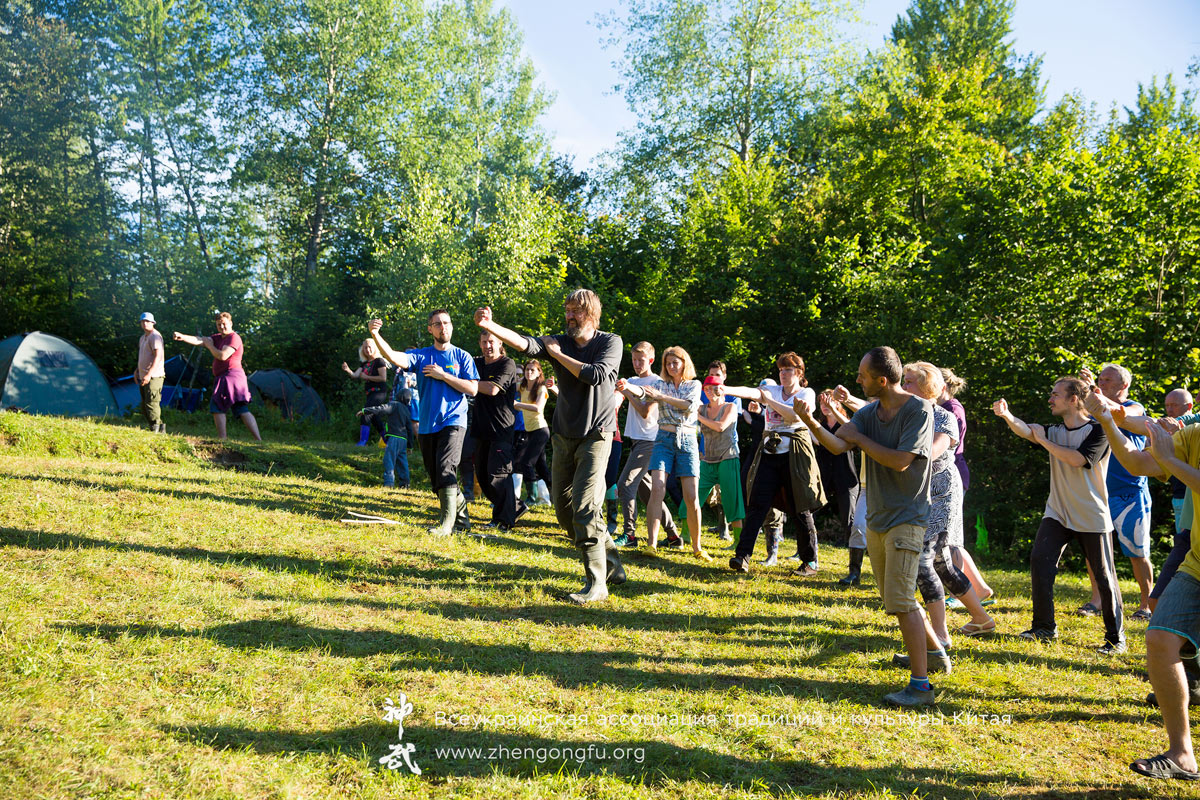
{"x": 1131, "y": 519}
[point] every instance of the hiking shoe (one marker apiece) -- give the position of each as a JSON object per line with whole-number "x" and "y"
{"x": 1037, "y": 635}
{"x": 935, "y": 663}
{"x": 1112, "y": 648}
{"x": 805, "y": 571}
{"x": 909, "y": 697}
{"x": 739, "y": 564}
{"x": 673, "y": 542}
{"x": 626, "y": 540}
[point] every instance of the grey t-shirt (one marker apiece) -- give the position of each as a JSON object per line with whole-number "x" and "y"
{"x": 1079, "y": 495}
{"x": 898, "y": 498}
{"x": 588, "y": 403}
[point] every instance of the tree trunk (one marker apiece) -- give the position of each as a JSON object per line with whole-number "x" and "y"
{"x": 183, "y": 179}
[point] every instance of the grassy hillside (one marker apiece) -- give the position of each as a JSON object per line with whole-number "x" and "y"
{"x": 183, "y": 618}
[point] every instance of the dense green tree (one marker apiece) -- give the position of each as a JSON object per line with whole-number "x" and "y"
{"x": 713, "y": 81}
{"x": 948, "y": 35}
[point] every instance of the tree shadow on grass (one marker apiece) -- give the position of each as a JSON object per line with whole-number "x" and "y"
{"x": 281, "y": 497}
{"x": 443, "y": 752}
{"x": 350, "y": 571}
{"x": 574, "y": 669}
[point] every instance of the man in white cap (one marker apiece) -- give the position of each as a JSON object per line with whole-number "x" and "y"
{"x": 150, "y": 372}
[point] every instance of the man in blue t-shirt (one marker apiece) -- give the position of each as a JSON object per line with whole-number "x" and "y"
{"x": 446, "y": 376}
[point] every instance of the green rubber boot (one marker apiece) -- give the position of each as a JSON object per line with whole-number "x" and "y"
{"x": 595, "y": 570}
{"x": 462, "y": 518}
{"x": 448, "y": 501}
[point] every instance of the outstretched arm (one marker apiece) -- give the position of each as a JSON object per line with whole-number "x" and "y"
{"x": 483, "y": 318}
{"x": 835, "y": 443}
{"x": 843, "y": 396}
{"x": 1137, "y": 462}
{"x": 400, "y": 359}
{"x": 1162, "y": 444}
{"x": 1000, "y": 409}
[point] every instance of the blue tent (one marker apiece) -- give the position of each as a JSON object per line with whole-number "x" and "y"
{"x": 44, "y": 374}
{"x": 179, "y": 372}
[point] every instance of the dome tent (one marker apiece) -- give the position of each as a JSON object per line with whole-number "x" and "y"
{"x": 292, "y": 393}
{"x": 43, "y": 374}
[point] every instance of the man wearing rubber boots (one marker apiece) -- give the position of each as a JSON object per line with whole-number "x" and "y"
{"x": 585, "y": 418}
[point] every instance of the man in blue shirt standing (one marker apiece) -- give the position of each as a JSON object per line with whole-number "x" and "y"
{"x": 446, "y": 376}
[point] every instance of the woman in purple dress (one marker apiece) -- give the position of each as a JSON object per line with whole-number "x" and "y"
{"x": 231, "y": 391}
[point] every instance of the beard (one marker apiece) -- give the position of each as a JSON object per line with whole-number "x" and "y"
{"x": 441, "y": 338}
{"x": 573, "y": 329}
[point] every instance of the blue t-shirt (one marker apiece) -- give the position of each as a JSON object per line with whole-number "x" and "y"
{"x": 441, "y": 406}
{"x": 1120, "y": 481}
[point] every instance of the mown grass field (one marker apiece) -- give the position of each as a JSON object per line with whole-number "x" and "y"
{"x": 185, "y": 619}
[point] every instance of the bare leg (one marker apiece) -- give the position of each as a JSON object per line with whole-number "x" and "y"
{"x": 252, "y": 424}
{"x": 1170, "y": 688}
{"x": 692, "y": 500}
{"x": 970, "y": 601}
{"x": 913, "y": 628}
{"x": 1143, "y": 573}
{"x": 937, "y": 622}
{"x": 219, "y": 421}
{"x": 658, "y": 489}
{"x": 962, "y": 559}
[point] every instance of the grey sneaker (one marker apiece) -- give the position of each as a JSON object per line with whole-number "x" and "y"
{"x": 1112, "y": 648}
{"x": 936, "y": 663}
{"x": 909, "y": 697}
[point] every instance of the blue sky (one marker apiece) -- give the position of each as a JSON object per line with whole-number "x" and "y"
{"x": 1101, "y": 48}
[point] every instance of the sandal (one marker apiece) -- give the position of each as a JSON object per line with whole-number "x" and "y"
{"x": 1088, "y": 609}
{"x": 1142, "y": 615}
{"x": 978, "y": 628}
{"x": 1161, "y": 766}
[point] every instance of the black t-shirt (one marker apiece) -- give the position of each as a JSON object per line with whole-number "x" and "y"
{"x": 376, "y": 367}
{"x": 587, "y": 403}
{"x": 494, "y": 417}
{"x": 837, "y": 471}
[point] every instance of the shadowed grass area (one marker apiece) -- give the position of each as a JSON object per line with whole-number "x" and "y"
{"x": 173, "y": 624}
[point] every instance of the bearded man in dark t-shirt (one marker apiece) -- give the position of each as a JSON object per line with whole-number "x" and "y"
{"x": 586, "y": 361}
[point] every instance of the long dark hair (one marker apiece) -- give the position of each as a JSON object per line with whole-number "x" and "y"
{"x": 535, "y": 388}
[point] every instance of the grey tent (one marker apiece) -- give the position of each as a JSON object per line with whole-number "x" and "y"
{"x": 44, "y": 374}
{"x": 295, "y": 398}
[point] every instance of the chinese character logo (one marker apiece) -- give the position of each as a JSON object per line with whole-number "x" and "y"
{"x": 400, "y": 753}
